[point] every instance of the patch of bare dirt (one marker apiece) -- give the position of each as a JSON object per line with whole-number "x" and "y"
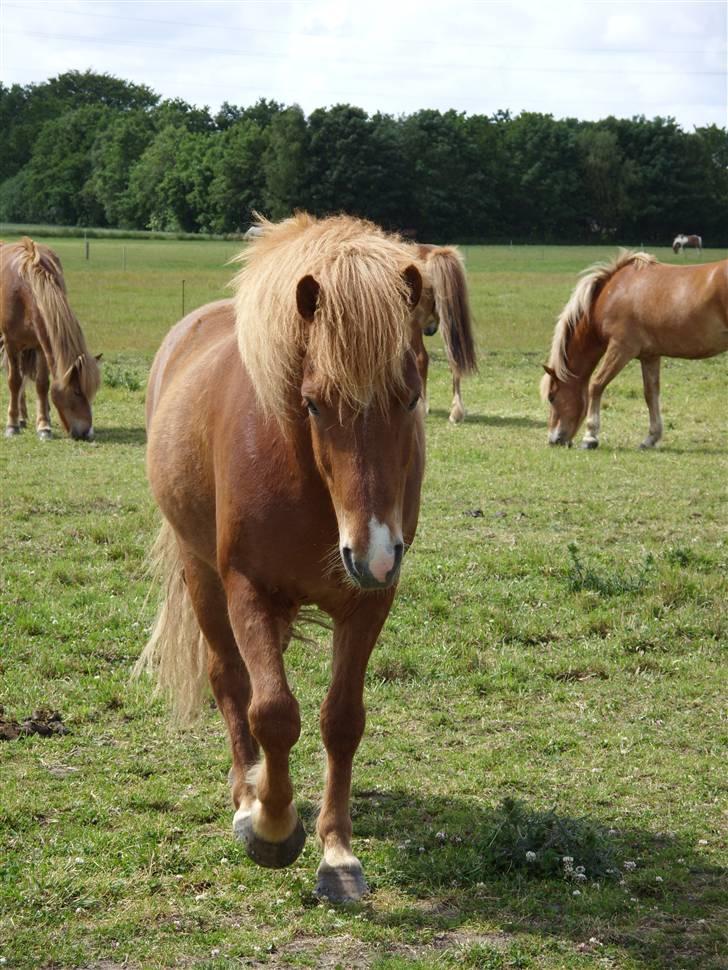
{"x": 43, "y": 722}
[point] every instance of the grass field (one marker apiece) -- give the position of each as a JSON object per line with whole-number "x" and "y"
{"x": 551, "y": 680}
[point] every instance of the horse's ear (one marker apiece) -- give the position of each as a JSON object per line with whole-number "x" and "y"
{"x": 413, "y": 278}
{"x": 550, "y": 371}
{"x": 99, "y": 358}
{"x": 307, "y": 294}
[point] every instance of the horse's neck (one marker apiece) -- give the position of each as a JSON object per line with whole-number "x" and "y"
{"x": 585, "y": 349}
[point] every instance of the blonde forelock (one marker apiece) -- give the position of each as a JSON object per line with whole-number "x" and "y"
{"x": 357, "y": 341}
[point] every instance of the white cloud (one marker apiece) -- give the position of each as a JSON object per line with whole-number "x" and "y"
{"x": 576, "y": 59}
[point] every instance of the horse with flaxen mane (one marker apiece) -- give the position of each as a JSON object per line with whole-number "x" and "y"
{"x": 286, "y": 453}
{"x": 445, "y": 305}
{"x": 633, "y": 307}
{"x": 43, "y": 340}
{"x": 681, "y": 242}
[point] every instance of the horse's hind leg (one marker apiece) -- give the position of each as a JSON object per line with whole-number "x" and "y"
{"x": 227, "y": 674}
{"x": 15, "y": 385}
{"x": 43, "y": 414}
{"x": 423, "y": 362}
{"x": 614, "y": 360}
{"x": 651, "y": 385}
{"x": 340, "y": 875}
{"x": 457, "y": 411}
{"x": 271, "y": 829}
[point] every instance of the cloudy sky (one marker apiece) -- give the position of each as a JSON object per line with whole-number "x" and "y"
{"x": 572, "y": 58}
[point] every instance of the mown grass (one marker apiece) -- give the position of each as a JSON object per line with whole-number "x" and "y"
{"x": 524, "y": 697}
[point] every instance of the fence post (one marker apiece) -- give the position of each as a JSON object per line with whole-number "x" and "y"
{"x": 183, "y": 297}
{"x": 85, "y": 244}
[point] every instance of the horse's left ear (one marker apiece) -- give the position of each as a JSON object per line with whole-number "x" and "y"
{"x": 98, "y": 358}
{"x": 413, "y": 278}
{"x": 550, "y": 371}
{"x": 307, "y": 294}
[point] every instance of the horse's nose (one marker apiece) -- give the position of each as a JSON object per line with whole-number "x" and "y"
{"x": 380, "y": 573}
{"x": 86, "y": 435}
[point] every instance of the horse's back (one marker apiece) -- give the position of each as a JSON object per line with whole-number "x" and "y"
{"x": 184, "y": 345}
{"x": 671, "y": 311}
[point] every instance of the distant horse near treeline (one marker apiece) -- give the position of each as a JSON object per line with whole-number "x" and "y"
{"x": 42, "y": 340}
{"x": 633, "y": 307}
{"x": 682, "y": 242}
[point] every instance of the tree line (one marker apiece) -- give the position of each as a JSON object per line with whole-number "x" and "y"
{"x": 93, "y": 150}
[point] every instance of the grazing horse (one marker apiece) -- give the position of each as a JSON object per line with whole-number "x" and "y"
{"x": 633, "y": 307}
{"x": 445, "y": 304}
{"x": 687, "y": 242}
{"x": 286, "y": 453}
{"x": 43, "y": 340}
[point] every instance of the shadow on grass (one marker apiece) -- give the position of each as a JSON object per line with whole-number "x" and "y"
{"x": 460, "y": 860}
{"x": 491, "y": 420}
{"x": 121, "y": 436}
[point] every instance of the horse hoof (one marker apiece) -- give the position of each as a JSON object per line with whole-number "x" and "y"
{"x": 340, "y": 884}
{"x": 589, "y": 444}
{"x": 45, "y": 434}
{"x": 12, "y": 430}
{"x": 270, "y": 855}
{"x": 647, "y": 446}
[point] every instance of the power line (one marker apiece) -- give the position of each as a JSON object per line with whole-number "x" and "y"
{"x": 277, "y": 56}
{"x": 336, "y": 37}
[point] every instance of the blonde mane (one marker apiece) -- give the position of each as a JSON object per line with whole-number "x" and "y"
{"x": 579, "y": 305}
{"x": 360, "y": 332}
{"x": 41, "y": 269}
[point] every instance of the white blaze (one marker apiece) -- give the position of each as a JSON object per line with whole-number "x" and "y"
{"x": 381, "y": 556}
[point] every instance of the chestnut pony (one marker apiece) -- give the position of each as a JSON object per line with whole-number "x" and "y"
{"x": 445, "y": 304}
{"x": 286, "y": 453}
{"x": 42, "y": 339}
{"x": 633, "y": 307}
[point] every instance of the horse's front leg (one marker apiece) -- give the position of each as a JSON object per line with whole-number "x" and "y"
{"x": 340, "y": 875}
{"x": 43, "y": 413}
{"x": 15, "y": 386}
{"x": 651, "y": 385}
{"x": 457, "y": 411}
{"x": 269, "y": 826}
{"x": 613, "y": 361}
{"x": 23, "y": 406}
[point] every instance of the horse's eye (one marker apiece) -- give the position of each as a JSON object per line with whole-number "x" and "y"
{"x": 551, "y": 397}
{"x": 413, "y": 403}
{"x": 312, "y": 409}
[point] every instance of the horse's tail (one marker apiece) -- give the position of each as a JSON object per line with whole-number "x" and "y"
{"x": 446, "y": 270}
{"x": 579, "y": 305}
{"x": 176, "y": 652}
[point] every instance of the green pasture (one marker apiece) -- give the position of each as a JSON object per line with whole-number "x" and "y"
{"x": 551, "y": 682}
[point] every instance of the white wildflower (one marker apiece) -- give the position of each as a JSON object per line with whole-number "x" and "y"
{"x": 530, "y": 857}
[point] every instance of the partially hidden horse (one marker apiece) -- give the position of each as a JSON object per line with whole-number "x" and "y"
{"x": 42, "y": 340}
{"x": 286, "y": 452}
{"x": 445, "y": 305}
{"x": 682, "y": 241}
{"x": 633, "y": 307}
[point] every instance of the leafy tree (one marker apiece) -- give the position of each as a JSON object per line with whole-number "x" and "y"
{"x": 284, "y": 162}
{"x": 60, "y": 168}
{"x": 237, "y": 182}
{"x": 114, "y": 153}
{"x": 161, "y": 190}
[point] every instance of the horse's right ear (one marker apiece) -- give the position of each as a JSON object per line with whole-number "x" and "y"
{"x": 550, "y": 371}
{"x": 307, "y": 294}
{"x": 413, "y": 278}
